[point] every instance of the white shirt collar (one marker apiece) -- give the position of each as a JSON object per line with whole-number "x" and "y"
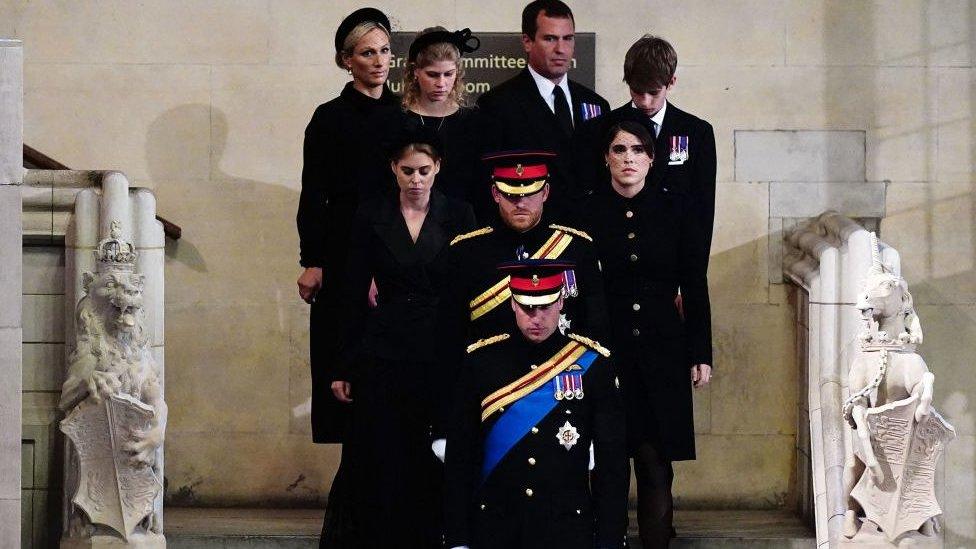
{"x": 658, "y": 118}
{"x": 546, "y": 88}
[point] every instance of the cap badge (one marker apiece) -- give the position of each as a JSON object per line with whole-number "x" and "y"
{"x": 519, "y": 170}
{"x": 535, "y": 280}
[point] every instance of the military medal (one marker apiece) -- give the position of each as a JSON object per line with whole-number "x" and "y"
{"x": 567, "y": 435}
{"x": 590, "y": 110}
{"x": 570, "y": 392}
{"x": 569, "y": 288}
{"x": 559, "y": 388}
{"x": 578, "y": 386}
{"x": 679, "y": 149}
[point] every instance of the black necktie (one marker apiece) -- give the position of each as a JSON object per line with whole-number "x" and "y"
{"x": 563, "y": 116}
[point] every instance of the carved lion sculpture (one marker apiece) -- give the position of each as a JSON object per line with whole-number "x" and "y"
{"x": 114, "y": 354}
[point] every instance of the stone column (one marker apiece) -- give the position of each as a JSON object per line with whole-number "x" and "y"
{"x": 11, "y": 281}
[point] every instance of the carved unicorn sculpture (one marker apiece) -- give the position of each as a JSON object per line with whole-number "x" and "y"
{"x": 890, "y": 411}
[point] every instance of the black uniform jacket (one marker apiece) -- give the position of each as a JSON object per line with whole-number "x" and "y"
{"x": 540, "y": 494}
{"x": 518, "y": 118}
{"x": 474, "y": 262}
{"x": 694, "y": 176}
{"x": 342, "y": 163}
{"x": 411, "y": 280}
{"x": 650, "y": 247}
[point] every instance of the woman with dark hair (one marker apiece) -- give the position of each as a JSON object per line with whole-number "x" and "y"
{"x": 388, "y": 357}
{"x": 434, "y": 96}
{"x": 651, "y": 247}
{"x": 340, "y": 169}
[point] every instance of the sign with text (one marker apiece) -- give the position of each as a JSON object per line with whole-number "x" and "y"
{"x": 499, "y": 58}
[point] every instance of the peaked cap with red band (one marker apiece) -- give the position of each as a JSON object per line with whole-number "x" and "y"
{"x": 535, "y": 282}
{"x": 519, "y": 173}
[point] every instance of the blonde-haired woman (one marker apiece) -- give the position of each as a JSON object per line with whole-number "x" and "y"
{"x": 434, "y": 96}
{"x": 341, "y": 169}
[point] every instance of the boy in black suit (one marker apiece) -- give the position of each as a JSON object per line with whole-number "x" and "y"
{"x": 684, "y": 144}
{"x": 540, "y": 108}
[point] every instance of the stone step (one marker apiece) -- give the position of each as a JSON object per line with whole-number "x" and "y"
{"x": 197, "y": 528}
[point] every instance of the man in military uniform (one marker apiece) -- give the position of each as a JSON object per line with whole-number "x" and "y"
{"x": 528, "y": 408}
{"x": 478, "y": 292}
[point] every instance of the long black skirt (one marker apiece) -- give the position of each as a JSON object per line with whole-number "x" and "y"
{"x": 387, "y": 492}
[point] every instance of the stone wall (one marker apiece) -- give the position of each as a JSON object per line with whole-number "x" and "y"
{"x": 205, "y": 103}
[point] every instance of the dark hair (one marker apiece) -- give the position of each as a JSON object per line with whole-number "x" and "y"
{"x": 553, "y": 8}
{"x": 416, "y": 137}
{"x": 634, "y": 128}
{"x": 650, "y": 64}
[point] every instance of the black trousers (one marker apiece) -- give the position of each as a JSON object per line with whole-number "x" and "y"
{"x": 655, "y": 504}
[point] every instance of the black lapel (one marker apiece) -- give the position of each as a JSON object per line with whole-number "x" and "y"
{"x": 433, "y": 233}
{"x": 392, "y": 230}
{"x": 536, "y": 110}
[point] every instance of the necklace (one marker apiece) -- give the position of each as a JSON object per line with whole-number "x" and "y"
{"x": 422, "y": 123}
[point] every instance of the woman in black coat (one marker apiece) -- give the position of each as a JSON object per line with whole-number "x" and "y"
{"x": 341, "y": 167}
{"x": 651, "y": 247}
{"x": 389, "y": 353}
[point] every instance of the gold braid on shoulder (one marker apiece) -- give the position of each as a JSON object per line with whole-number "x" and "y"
{"x": 572, "y": 231}
{"x": 590, "y": 343}
{"x": 486, "y": 341}
{"x": 472, "y": 234}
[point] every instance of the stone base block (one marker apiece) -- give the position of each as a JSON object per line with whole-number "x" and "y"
{"x": 137, "y": 541}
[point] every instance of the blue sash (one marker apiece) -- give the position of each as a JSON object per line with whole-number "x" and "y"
{"x": 518, "y": 420}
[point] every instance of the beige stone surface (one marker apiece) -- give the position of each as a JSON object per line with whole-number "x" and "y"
{"x": 737, "y": 270}
{"x": 763, "y": 478}
{"x": 43, "y": 270}
{"x": 754, "y": 390}
{"x": 155, "y": 31}
{"x": 283, "y": 469}
{"x": 917, "y": 32}
{"x": 43, "y": 366}
{"x": 956, "y": 103}
{"x": 934, "y": 229}
{"x": 115, "y": 113}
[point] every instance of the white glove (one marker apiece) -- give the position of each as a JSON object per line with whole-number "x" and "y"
{"x": 461, "y": 547}
{"x": 439, "y": 448}
{"x": 592, "y": 457}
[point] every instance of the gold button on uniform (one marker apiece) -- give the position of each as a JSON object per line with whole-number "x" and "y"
{"x": 531, "y": 461}
{"x": 535, "y": 430}
{"x": 636, "y": 332}
{"x": 636, "y": 306}
{"x": 529, "y": 492}
{"x": 631, "y": 236}
{"x": 629, "y": 214}
{"x": 534, "y": 366}
{"x": 482, "y": 506}
{"x": 633, "y": 257}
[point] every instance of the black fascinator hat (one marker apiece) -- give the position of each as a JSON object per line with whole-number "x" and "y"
{"x": 463, "y": 40}
{"x": 362, "y": 15}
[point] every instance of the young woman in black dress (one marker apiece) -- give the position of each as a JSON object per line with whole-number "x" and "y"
{"x": 389, "y": 354}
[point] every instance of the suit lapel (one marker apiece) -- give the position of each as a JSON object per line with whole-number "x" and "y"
{"x": 433, "y": 236}
{"x": 537, "y": 110}
{"x": 392, "y": 230}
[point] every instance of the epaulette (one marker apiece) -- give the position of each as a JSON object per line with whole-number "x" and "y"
{"x": 590, "y": 343}
{"x": 571, "y": 230}
{"x": 486, "y": 341}
{"x": 472, "y": 234}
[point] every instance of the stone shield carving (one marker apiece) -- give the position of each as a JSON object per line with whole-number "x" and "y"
{"x": 908, "y": 453}
{"x": 112, "y": 490}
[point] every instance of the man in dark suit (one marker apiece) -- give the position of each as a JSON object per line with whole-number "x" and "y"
{"x": 529, "y": 408}
{"x": 684, "y": 145}
{"x": 540, "y": 108}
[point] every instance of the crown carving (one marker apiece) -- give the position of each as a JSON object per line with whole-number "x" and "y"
{"x": 114, "y": 253}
